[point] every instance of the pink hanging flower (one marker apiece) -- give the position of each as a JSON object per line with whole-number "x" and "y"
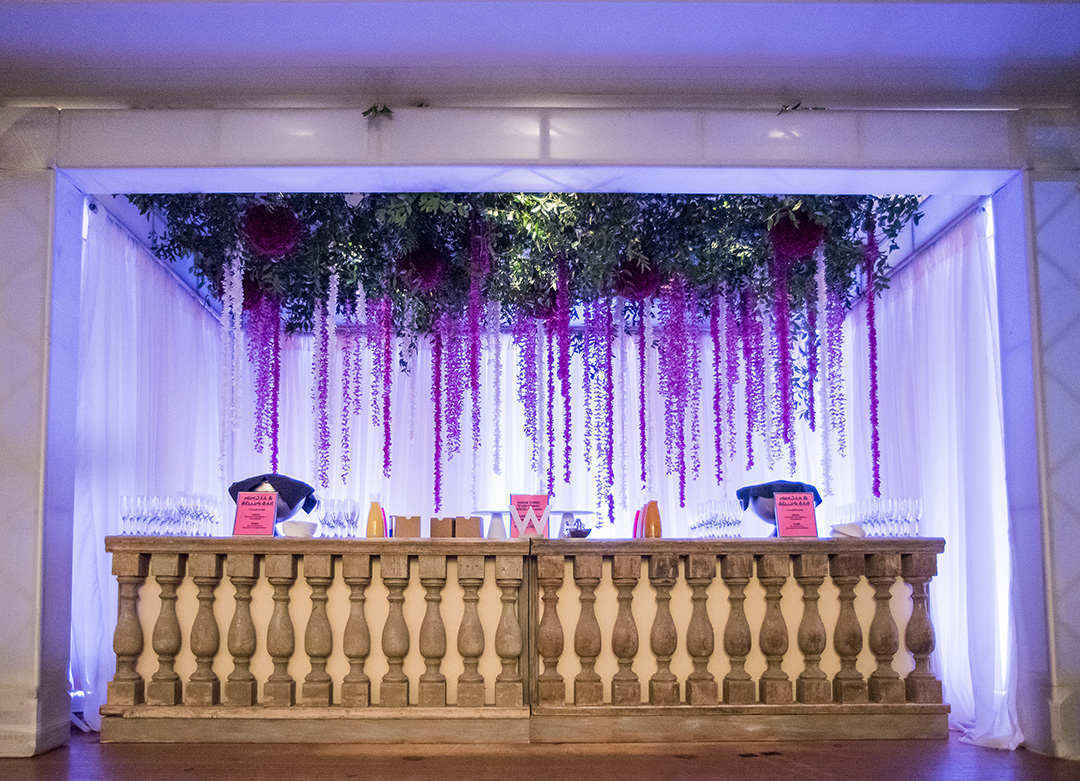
{"x": 454, "y": 355}
{"x": 272, "y": 231}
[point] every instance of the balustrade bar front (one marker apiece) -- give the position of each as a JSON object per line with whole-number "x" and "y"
{"x": 330, "y": 640}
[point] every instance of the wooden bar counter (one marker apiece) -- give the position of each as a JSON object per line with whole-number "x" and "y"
{"x": 461, "y": 641}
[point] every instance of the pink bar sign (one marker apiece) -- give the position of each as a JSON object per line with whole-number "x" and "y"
{"x": 256, "y": 512}
{"x": 795, "y": 515}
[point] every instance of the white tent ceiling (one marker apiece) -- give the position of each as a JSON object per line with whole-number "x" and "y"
{"x": 472, "y": 53}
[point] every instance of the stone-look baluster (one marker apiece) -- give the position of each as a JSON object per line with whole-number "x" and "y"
{"x": 588, "y": 688}
{"x": 774, "y": 686}
{"x": 431, "y": 690}
{"x": 701, "y": 686}
{"x": 280, "y": 688}
{"x": 509, "y": 688}
{"x": 812, "y": 686}
{"x": 885, "y": 685}
{"x": 735, "y": 570}
{"x": 394, "y": 691}
{"x": 318, "y": 688}
{"x": 203, "y": 687}
{"x": 920, "y": 684}
{"x": 625, "y": 686}
{"x": 549, "y": 634}
{"x": 470, "y": 639}
{"x": 241, "y": 688}
{"x": 663, "y": 639}
{"x": 126, "y": 687}
{"x": 356, "y": 686}
{"x": 165, "y": 687}
{"x": 848, "y": 685}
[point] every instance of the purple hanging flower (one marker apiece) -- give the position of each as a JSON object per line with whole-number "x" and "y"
{"x": 643, "y": 312}
{"x": 264, "y": 346}
{"x": 386, "y": 323}
{"x": 731, "y": 370}
{"x": 834, "y": 326}
{"x": 870, "y": 262}
{"x": 562, "y": 304}
{"x": 454, "y": 354}
{"x": 436, "y": 401}
{"x": 588, "y": 340}
{"x": 480, "y": 264}
{"x": 347, "y": 349}
{"x": 718, "y": 367}
{"x": 549, "y": 353}
{"x": 524, "y": 336}
{"x": 609, "y": 408}
{"x": 321, "y": 393}
{"x": 674, "y": 377}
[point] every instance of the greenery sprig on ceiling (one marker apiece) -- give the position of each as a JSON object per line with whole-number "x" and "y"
{"x": 714, "y": 242}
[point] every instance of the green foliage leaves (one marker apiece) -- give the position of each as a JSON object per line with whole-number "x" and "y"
{"x": 717, "y": 242}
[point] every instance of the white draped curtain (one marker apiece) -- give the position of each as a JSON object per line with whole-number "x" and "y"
{"x": 149, "y": 408}
{"x": 942, "y": 440}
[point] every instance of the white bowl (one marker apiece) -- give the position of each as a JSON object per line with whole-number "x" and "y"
{"x": 299, "y": 528}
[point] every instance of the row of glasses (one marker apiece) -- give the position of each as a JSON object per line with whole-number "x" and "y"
{"x": 340, "y": 518}
{"x": 717, "y": 518}
{"x": 183, "y": 515}
{"x": 884, "y": 517}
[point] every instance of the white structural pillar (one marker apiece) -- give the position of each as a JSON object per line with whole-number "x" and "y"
{"x": 1054, "y": 244}
{"x": 39, "y": 303}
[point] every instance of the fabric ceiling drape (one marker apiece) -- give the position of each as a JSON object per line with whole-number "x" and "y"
{"x": 149, "y": 412}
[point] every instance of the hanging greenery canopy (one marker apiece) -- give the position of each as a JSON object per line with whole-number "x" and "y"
{"x": 417, "y": 246}
{"x": 771, "y": 276}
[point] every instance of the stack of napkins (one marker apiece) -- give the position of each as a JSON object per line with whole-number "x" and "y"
{"x": 847, "y": 530}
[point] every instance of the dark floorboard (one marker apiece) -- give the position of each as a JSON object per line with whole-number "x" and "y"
{"x": 88, "y": 760}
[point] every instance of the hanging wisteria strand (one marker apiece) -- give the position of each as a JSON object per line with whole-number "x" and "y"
{"x": 325, "y": 346}
{"x": 782, "y": 335}
{"x": 494, "y": 330}
{"x": 643, "y": 315}
{"x": 695, "y": 408}
{"x": 524, "y": 336}
{"x": 549, "y": 363}
{"x": 822, "y": 349}
{"x": 834, "y": 327}
{"x": 624, "y": 381}
{"x": 562, "y": 314}
{"x": 718, "y": 385}
{"x": 360, "y": 349}
{"x": 347, "y": 350}
{"x": 231, "y": 319}
{"x": 771, "y": 420}
{"x": 455, "y": 357}
{"x": 480, "y": 264}
{"x": 588, "y": 337}
{"x": 609, "y": 408}
{"x": 436, "y": 401}
{"x": 674, "y": 379}
{"x": 871, "y": 331}
{"x": 752, "y": 339}
{"x": 275, "y": 380}
{"x": 263, "y": 317}
{"x": 650, "y": 340}
{"x": 731, "y": 369}
{"x": 386, "y": 326}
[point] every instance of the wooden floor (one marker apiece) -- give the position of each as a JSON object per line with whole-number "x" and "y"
{"x": 87, "y": 760}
